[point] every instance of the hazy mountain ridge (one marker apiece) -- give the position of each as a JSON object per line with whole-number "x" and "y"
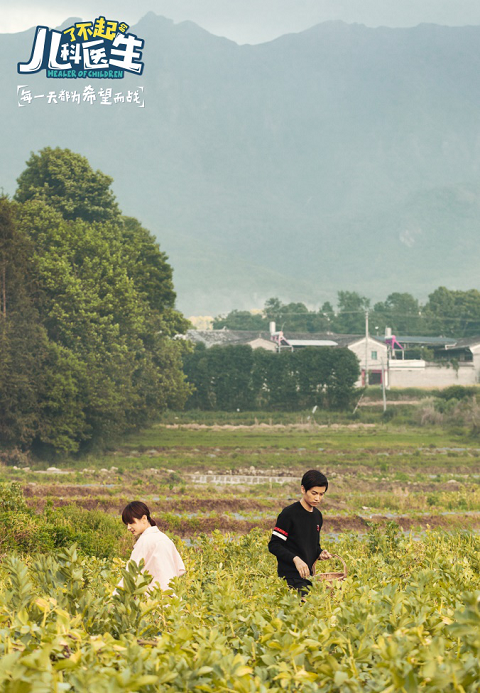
{"x": 340, "y": 157}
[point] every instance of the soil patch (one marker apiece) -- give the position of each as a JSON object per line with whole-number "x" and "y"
{"x": 188, "y": 527}
{"x": 265, "y": 426}
{"x": 62, "y": 490}
{"x": 193, "y": 505}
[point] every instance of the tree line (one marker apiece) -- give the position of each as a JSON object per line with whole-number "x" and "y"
{"x": 227, "y": 378}
{"x": 447, "y": 313}
{"x": 87, "y": 312}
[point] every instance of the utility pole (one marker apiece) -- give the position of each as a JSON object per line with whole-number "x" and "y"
{"x": 384, "y": 394}
{"x": 366, "y": 348}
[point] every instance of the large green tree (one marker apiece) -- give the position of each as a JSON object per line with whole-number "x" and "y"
{"x": 290, "y": 317}
{"x": 147, "y": 265}
{"x": 296, "y": 317}
{"x": 350, "y": 317}
{"x": 400, "y": 311}
{"x": 65, "y": 181}
{"x": 100, "y": 303}
{"x": 453, "y": 313}
{"x": 22, "y": 340}
{"x": 38, "y": 391}
{"x": 241, "y": 320}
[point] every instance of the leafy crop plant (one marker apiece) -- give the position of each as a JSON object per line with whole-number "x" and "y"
{"x": 406, "y": 619}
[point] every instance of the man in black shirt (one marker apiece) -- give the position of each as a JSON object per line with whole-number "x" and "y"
{"x": 295, "y": 538}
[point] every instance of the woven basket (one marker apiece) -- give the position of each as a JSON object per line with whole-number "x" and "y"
{"x": 330, "y": 577}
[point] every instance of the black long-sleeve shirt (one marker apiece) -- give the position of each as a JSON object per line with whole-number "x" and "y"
{"x": 296, "y": 533}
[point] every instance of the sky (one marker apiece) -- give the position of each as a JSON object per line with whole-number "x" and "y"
{"x": 245, "y": 21}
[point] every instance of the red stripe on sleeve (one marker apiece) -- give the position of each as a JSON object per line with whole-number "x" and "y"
{"x": 281, "y": 530}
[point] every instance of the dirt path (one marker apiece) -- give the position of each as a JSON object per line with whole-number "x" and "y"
{"x": 264, "y": 426}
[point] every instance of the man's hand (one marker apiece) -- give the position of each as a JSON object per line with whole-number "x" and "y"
{"x": 302, "y": 567}
{"x": 325, "y": 556}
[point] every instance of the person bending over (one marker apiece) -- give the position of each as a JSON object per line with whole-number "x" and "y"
{"x": 295, "y": 538}
{"x": 161, "y": 557}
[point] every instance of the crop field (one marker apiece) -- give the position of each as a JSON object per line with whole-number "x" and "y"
{"x": 406, "y": 619}
{"x": 197, "y": 477}
{"x": 402, "y": 509}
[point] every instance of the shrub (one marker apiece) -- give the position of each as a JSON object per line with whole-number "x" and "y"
{"x": 428, "y": 415}
{"x": 458, "y": 392}
{"x": 95, "y": 533}
{"x": 14, "y": 458}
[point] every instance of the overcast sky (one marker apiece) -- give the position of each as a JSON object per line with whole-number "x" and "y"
{"x": 245, "y": 21}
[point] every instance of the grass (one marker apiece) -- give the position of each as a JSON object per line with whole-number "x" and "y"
{"x": 311, "y": 437}
{"x": 380, "y": 469}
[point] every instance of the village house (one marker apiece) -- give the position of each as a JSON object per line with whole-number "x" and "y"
{"x": 455, "y": 362}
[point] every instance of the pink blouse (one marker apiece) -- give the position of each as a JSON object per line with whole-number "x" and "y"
{"x": 161, "y": 557}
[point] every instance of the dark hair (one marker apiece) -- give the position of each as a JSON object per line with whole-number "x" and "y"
{"x": 136, "y": 509}
{"x": 314, "y": 478}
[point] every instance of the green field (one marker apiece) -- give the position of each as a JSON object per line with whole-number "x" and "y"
{"x": 406, "y": 619}
{"x": 418, "y": 476}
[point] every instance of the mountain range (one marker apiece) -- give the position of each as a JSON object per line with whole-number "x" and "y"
{"x": 341, "y": 157}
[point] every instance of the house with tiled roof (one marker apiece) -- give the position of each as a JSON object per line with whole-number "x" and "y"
{"x": 257, "y": 340}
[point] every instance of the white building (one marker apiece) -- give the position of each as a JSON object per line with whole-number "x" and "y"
{"x": 457, "y": 362}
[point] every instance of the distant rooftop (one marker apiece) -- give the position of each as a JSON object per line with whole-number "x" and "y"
{"x": 224, "y": 337}
{"x": 295, "y": 339}
{"x": 432, "y": 341}
{"x": 310, "y": 342}
{"x": 445, "y": 342}
{"x": 464, "y": 342}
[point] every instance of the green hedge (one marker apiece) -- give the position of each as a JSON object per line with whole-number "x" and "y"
{"x": 240, "y": 378}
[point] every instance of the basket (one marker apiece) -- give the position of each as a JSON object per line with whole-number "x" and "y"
{"x": 330, "y": 577}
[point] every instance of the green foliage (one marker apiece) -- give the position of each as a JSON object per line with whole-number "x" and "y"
{"x": 453, "y": 313}
{"x": 275, "y": 378}
{"x": 87, "y": 337}
{"x": 66, "y": 182}
{"x": 290, "y": 317}
{"x": 24, "y": 343}
{"x": 463, "y": 413}
{"x": 240, "y": 320}
{"x": 95, "y": 533}
{"x": 237, "y": 377}
{"x": 296, "y": 317}
{"x": 401, "y": 312}
{"x": 447, "y": 313}
{"x": 350, "y": 318}
{"x": 386, "y": 541}
{"x": 406, "y": 619}
{"x": 11, "y": 497}
{"x": 458, "y": 392}
{"x": 222, "y": 377}
{"x": 148, "y": 266}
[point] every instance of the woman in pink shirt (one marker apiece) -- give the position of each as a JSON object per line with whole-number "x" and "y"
{"x": 162, "y": 559}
